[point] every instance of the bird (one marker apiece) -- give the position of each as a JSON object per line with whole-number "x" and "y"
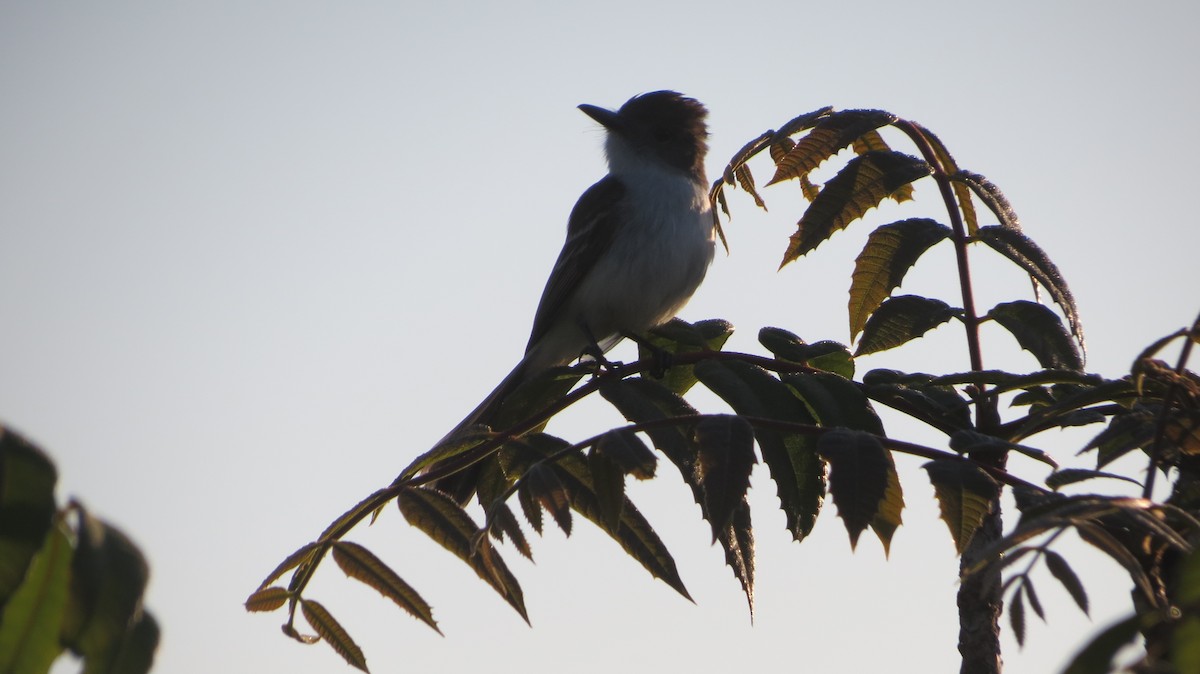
{"x": 639, "y": 242}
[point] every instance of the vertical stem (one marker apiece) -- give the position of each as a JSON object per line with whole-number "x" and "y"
{"x": 979, "y": 604}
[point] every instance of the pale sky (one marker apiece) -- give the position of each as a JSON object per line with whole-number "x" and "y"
{"x": 258, "y": 256}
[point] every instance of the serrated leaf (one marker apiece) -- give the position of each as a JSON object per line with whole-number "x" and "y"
{"x": 725, "y": 457}
{"x": 635, "y": 535}
{"x": 442, "y": 519}
{"x": 744, "y": 155}
{"x": 861, "y": 185}
{"x": 835, "y": 401}
{"x": 798, "y": 472}
{"x": 628, "y": 453}
{"x": 543, "y": 484}
{"x": 608, "y": 480}
{"x": 642, "y": 400}
{"x": 939, "y": 406}
{"x": 745, "y": 180}
{"x": 858, "y": 476}
{"x": 362, "y": 565}
{"x": 32, "y": 618}
{"x": 1061, "y": 570}
{"x": 832, "y": 133}
{"x": 1016, "y": 616}
{"x": 901, "y": 319}
{"x": 737, "y": 540}
{"x": 891, "y": 250}
{"x": 1039, "y": 331}
{"x": 965, "y": 495}
{"x": 991, "y": 196}
{"x": 332, "y": 633}
{"x": 505, "y": 524}
{"x": 449, "y": 447}
{"x": 1030, "y": 257}
{"x": 268, "y": 599}
{"x": 888, "y": 518}
{"x": 1031, "y": 595}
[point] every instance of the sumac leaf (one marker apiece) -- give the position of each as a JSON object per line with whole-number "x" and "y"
{"x": 362, "y": 565}
{"x": 1060, "y": 569}
{"x": 725, "y": 458}
{"x": 861, "y": 185}
{"x": 332, "y": 633}
{"x": 1039, "y": 331}
{"x": 965, "y": 495}
{"x": 891, "y": 250}
{"x": 1027, "y": 255}
{"x": 832, "y": 133}
{"x": 268, "y": 599}
{"x": 858, "y": 476}
{"x": 901, "y": 319}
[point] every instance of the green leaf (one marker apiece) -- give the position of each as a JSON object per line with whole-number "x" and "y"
{"x": 362, "y": 565}
{"x": 901, "y": 319}
{"x": 32, "y": 619}
{"x": 861, "y": 185}
{"x": 459, "y": 443}
{"x": 858, "y": 476}
{"x": 27, "y": 478}
{"x": 825, "y": 355}
{"x": 1097, "y": 656}
{"x": 832, "y": 133}
{"x": 679, "y": 337}
{"x": 965, "y": 495}
{"x": 1027, "y": 255}
{"x": 798, "y": 472}
{"x": 1040, "y": 332}
{"x": 1060, "y": 569}
{"x": 442, "y": 519}
{"x": 725, "y": 458}
{"x": 109, "y": 576}
{"x": 891, "y": 250}
{"x": 333, "y": 633}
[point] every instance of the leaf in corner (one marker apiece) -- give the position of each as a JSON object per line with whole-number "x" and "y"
{"x": 33, "y": 616}
{"x": 333, "y": 633}
{"x": 965, "y": 495}
{"x": 1039, "y": 331}
{"x": 901, "y": 319}
{"x": 362, "y": 565}
{"x": 861, "y": 185}
{"x": 858, "y": 476}
{"x": 1098, "y": 654}
{"x": 891, "y": 250}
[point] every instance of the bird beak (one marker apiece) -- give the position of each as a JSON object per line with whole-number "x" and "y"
{"x": 607, "y": 118}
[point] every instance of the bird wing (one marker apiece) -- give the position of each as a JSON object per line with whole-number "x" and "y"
{"x": 591, "y": 229}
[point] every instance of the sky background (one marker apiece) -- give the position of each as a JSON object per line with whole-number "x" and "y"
{"x": 256, "y": 256}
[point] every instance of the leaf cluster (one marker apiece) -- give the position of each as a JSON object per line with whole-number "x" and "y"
{"x": 68, "y": 580}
